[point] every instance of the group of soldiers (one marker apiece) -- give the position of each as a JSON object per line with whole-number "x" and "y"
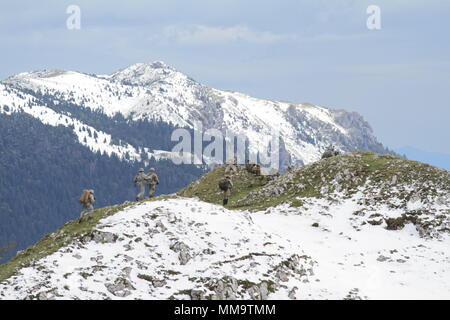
{"x": 253, "y": 168}
{"x": 142, "y": 179}
{"x": 331, "y": 151}
{"x": 226, "y": 184}
{"x": 151, "y": 179}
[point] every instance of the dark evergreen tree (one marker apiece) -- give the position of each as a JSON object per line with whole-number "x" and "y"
{"x": 43, "y": 170}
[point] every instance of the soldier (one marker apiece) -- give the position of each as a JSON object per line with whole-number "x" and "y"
{"x": 336, "y": 152}
{"x": 330, "y": 152}
{"x": 226, "y": 185}
{"x": 230, "y": 169}
{"x": 139, "y": 181}
{"x": 231, "y": 166}
{"x": 249, "y": 166}
{"x": 87, "y": 199}
{"x": 257, "y": 170}
{"x": 152, "y": 180}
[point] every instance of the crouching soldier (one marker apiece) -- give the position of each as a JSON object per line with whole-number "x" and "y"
{"x": 87, "y": 199}
{"x": 152, "y": 180}
{"x": 140, "y": 181}
{"x": 226, "y": 185}
{"x": 248, "y": 166}
{"x": 257, "y": 170}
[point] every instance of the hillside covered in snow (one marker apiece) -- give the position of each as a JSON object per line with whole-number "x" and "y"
{"x": 356, "y": 226}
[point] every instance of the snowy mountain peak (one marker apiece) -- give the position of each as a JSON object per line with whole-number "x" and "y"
{"x": 144, "y": 73}
{"x": 50, "y": 75}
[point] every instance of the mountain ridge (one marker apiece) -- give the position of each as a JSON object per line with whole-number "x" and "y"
{"x": 156, "y": 91}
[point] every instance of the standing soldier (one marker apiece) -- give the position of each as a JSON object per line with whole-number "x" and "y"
{"x": 87, "y": 199}
{"x": 226, "y": 185}
{"x": 230, "y": 168}
{"x": 152, "y": 180}
{"x": 139, "y": 181}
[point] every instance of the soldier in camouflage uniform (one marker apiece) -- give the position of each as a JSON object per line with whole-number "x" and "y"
{"x": 226, "y": 185}
{"x": 152, "y": 180}
{"x": 139, "y": 181}
{"x": 87, "y": 200}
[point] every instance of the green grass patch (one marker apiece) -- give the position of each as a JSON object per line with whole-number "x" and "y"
{"x": 207, "y": 188}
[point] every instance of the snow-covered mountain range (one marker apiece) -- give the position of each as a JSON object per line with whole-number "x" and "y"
{"x": 156, "y": 91}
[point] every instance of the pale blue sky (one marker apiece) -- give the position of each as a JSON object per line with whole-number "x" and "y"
{"x": 317, "y": 51}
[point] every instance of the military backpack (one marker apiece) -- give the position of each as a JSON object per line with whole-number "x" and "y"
{"x": 85, "y": 197}
{"x": 224, "y": 185}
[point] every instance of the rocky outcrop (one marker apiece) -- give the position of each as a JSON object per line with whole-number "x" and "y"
{"x": 100, "y": 237}
{"x": 121, "y": 287}
{"x": 183, "y": 252}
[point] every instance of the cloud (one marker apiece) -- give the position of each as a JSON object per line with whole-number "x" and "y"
{"x": 412, "y": 70}
{"x": 210, "y": 35}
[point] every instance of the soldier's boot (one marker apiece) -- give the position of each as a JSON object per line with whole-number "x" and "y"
{"x": 225, "y": 202}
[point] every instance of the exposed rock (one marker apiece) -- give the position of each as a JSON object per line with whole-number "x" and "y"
{"x": 197, "y": 295}
{"x": 120, "y": 288}
{"x": 184, "y": 256}
{"x": 292, "y": 293}
{"x": 100, "y": 237}
{"x": 159, "y": 283}
{"x": 382, "y": 258}
{"x": 224, "y": 289}
{"x": 160, "y": 226}
{"x": 353, "y": 295}
{"x": 282, "y": 275}
{"x": 126, "y": 272}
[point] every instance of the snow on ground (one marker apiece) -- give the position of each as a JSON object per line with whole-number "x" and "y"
{"x": 162, "y": 249}
{"x": 371, "y": 261}
{"x": 185, "y": 248}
